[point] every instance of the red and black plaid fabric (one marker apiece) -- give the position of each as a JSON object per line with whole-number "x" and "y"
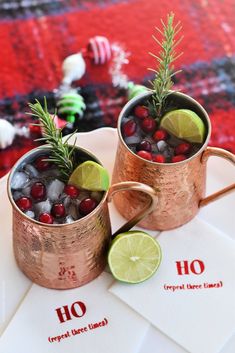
{"x": 36, "y": 36}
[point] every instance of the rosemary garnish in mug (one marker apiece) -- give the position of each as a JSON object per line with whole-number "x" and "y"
{"x": 61, "y": 153}
{"x": 162, "y": 83}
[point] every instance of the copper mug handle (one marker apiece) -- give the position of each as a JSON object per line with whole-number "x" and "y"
{"x": 219, "y": 152}
{"x": 134, "y": 186}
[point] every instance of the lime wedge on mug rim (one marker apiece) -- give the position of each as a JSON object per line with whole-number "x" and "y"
{"x": 134, "y": 257}
{"x": 184, "y": 124}
{"x": 90, "y": 176}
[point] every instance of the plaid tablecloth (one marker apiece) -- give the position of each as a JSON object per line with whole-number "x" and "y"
{"x": 36, "y": 36}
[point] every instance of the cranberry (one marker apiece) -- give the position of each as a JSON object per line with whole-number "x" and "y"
{"x": 182, "y": 148}
{"x": 46, "y": 218}
{"x": 141, "y": 112}
{"x": 159, "y": 158}
{"x": 145, "y": 155}
{"x": 148, "y": 125}
{"x": 178, "y": 158}
{"x": 129, "y": 128}
{"x": 38, "y": 191}
{"x": 87, "y": 206}
{"x": 160, "y": 135}
{"x": 41, "y": 164}
{"x": 71, "y": 191}
{"x": 58, "y": 210}
{"x": 24, "y": 203}
{"x": 144, "y": 146}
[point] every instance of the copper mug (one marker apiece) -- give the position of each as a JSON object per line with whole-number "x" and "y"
{"x": 181, "y": 186}
{"x": 63, "y": 256}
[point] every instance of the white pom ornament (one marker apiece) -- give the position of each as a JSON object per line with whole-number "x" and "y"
{"x": 7, "y": 133}
{"x": 74, "y": 67}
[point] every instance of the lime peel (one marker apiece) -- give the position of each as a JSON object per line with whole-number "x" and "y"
{"x": 184, "y": 124}
{"x": 90, "y": 176}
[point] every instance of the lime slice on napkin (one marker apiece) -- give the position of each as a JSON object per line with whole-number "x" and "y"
{"x": 90, "y": 176}
{"x": 134, "y": 257}
{"x": 184, "y": 124}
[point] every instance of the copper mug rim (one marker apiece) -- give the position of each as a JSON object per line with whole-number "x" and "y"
{"x": 43, "y": 148}
{"x": 141, "y": 96}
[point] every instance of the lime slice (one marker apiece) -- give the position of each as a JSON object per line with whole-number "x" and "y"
{"x": 184, "y": 124}
{"x": 134, "y": 257}
{"x": 90, "y": 176}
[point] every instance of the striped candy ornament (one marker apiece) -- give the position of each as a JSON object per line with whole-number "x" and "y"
{"x": 99, "y": 50}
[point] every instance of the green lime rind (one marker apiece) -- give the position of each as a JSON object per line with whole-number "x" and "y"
{"x": 134, "y": 257}
{"x": 184, "y": 124}
{"x": 90, "y": 176}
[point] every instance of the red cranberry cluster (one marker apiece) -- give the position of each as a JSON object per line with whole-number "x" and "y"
{"x": 38, "y": 193}
{"x": 142, "y": 135}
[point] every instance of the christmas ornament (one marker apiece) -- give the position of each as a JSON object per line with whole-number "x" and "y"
{"x": 99, "y": 50}
{"x": 70, "y": 105}
{"x": 7, "y": 133}
{"x": 134, "y": 90}
{"x": 74, "y": 68}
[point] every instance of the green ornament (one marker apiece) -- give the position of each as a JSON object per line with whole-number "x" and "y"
{"x": 135, "y": 90}
{"x": 71, "y": 104}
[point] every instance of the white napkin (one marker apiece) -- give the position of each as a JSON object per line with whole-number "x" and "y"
{"x": 202, "y": 318}
{"x": 13, "y": 284}
{"x": 36, "y": 326}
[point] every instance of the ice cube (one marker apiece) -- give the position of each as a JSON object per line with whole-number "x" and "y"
{"x": 50, "y": 173}
{"x": 136, "y": 138}
{"x": 26, "y": 191}
{"x": 73, "y": 210}
{"x": 43, "y": 206}
{"x": 19, "y": 180}
{"x": 162, "y": 146}
{"x": 31, "y": 171}
{"x": 69, "y": 219}
{"x": 66, "y": 201}
{"x": 30, "y": 214}
{"x": 55, "y": 189}
{"x": 17, "y": 195}
{"x": 168, "y": 152}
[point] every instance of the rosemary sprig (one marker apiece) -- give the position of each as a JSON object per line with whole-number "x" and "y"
{"x": 162, "y": 84}
{"x": 61, "y": 153}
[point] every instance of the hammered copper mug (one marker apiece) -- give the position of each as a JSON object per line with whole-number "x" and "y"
{"x": 181, "y": 186}
{"x": 63, "y": 256}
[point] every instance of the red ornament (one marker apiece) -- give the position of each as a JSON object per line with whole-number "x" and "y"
{"x": 99, "y": 50}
